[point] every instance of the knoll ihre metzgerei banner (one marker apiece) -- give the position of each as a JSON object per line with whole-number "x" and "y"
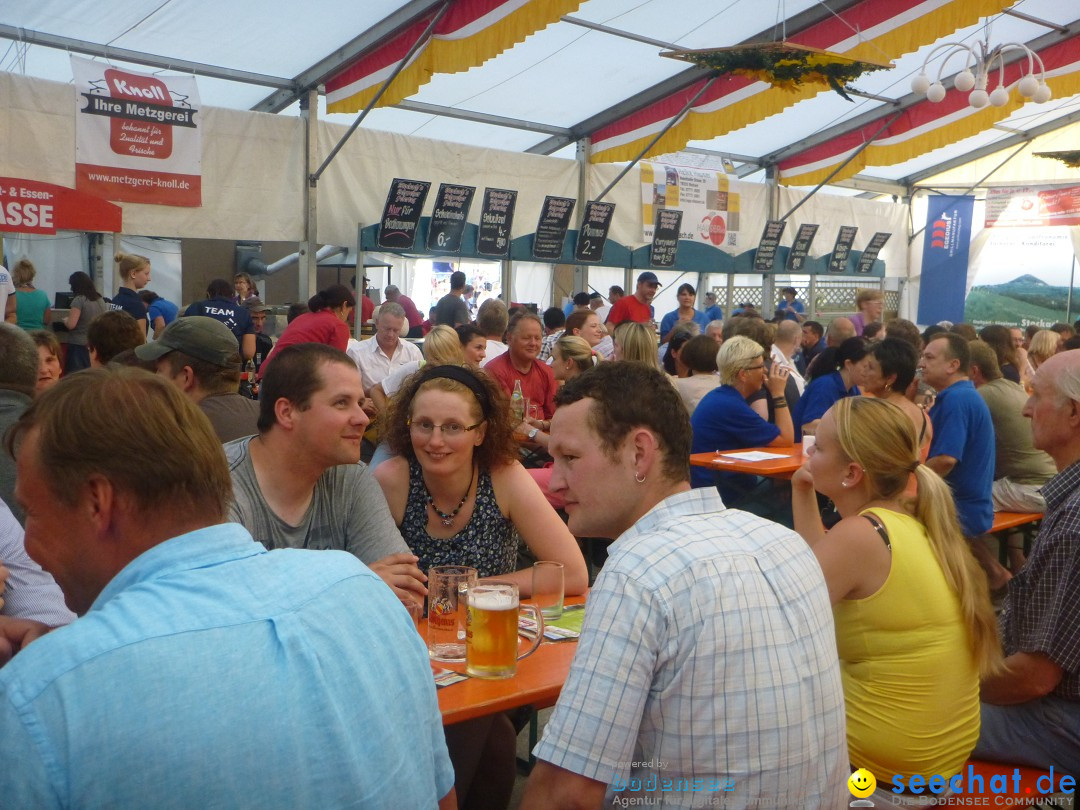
{"x": 137, "y": 137}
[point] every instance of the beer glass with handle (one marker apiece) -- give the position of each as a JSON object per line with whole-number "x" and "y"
{"x": 491, "y": 641}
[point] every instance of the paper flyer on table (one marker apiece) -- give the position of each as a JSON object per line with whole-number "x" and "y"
{"x": 754, "y": 455}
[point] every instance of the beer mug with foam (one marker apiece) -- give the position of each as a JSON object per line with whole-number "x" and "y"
{"x": 491, "y": 641}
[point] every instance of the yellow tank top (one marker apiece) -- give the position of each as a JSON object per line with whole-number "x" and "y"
{"x": 911, "y": 683}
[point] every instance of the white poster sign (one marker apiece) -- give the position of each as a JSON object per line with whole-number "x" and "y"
{"x": 710, "y": 207}
{"x": 137, "y": 136}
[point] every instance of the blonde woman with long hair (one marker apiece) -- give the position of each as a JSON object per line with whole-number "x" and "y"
{"x": 636, "y": 343}
{"x": 915, "y": 628}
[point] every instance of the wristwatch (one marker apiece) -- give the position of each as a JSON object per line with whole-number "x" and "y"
{"x": 532, "y": 433}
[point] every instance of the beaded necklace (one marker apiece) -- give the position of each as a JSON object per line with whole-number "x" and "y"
{"x": 448, "y": 518}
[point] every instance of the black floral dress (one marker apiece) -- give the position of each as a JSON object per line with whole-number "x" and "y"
{"x": 488, "y": 542}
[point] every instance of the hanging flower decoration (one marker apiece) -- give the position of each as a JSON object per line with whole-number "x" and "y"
{"x": 1070, "y": 158}
{"x": 782, "y": 64}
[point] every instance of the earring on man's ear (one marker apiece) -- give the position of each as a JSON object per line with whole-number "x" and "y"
{"x": 640, "y": 480}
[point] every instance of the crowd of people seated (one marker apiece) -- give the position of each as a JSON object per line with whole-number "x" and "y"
{"x": 192, "y": 576}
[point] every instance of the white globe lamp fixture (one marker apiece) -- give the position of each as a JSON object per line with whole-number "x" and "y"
{"x": 974, "y": 79}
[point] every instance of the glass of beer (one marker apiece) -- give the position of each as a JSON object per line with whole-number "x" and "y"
{"x": 491, "y": 642}
{"x": 447, "y": 586}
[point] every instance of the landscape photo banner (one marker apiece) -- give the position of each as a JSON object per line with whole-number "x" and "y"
{"x": 1021, "y": 277}
{"x": 1026, "y": 206}
{"x": 709, "y": 204}
{"x": 137, "y": 137}
{"x": 943, "y": 285}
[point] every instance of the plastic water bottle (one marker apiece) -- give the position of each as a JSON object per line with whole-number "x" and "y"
{"x": 517, "y": 403}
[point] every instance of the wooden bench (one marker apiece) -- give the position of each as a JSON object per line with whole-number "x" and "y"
{"x": 1011, "y": 520}
{"x": 1025, "y": 522}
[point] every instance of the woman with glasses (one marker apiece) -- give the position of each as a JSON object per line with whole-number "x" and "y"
{"x": 455, "y": 487}
{"x": 724, "y": 421}
{"x": 460, "y": 497}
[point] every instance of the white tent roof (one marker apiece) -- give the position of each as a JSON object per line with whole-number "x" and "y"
{"x": 540, "y": 95}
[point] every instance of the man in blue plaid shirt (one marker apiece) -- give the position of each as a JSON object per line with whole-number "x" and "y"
{"x": 706, "y": 673}
{"x": 1031, "y": 710}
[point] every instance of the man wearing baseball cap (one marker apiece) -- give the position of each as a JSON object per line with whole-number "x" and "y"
{"x": 636, "y": 307}
{"x": 200, "y": 355}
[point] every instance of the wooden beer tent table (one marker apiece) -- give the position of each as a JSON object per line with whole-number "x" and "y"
{"x": 538, "y": 681}
{"x": 773, "y": 468}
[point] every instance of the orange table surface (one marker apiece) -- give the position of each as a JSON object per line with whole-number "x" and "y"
{"x": 538, "y": 681}
{"x": 774, "y": 467}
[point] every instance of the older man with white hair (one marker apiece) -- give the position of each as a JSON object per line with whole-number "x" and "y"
{"x": 697, "y": 608}
{"x": 377, "y": 357}
{"x": 1031, "y": 709}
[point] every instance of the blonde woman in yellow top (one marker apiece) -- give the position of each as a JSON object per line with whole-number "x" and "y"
{"x": 915, "y": 629}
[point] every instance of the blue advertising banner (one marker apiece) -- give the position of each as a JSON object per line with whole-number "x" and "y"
{"x": 943, "y": 285}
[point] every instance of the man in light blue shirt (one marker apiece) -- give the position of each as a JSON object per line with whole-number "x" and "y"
{"x": 707, "y": 672}
{"x": 204, "y": 671}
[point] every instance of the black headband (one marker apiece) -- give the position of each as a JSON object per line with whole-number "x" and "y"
{"x": 466, "y": 378}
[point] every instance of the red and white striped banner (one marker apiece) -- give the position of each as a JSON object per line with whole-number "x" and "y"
{"x": 927, "y": 126}
{"x": 470, "y": 33}
{"x": 876, "y": 30}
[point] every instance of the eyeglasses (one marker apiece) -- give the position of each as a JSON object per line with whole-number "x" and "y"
{"x": 754, "y": 368}
{"x": 449, "y": 430}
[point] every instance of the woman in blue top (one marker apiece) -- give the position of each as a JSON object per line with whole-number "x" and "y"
{"x": 837, "y": 374}
{"x": 723, "y": 420}
{"x": 687, "y": 296}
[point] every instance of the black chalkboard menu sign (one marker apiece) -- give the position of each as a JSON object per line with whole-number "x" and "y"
{"x": 800, "y": 248}
{"x": 551, "y": 229}
{"x": 496, "y": 219}
{"x": 766, "y": 249}
{"x": 448, "y": 218}
{"x": 842, "y": 249}
{"x": 594, "y": 230}
{"x": 401, "y": 215}
{"x": 870, "y": 254}
{"x": 665, "y": 240}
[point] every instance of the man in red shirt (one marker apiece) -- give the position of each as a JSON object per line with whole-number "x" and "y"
{"x": 412, "y": 314}
{"x": 636, "y": 307}
{"x": 525, "y": 336}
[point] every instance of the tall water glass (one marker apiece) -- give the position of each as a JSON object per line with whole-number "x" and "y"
{"x": 447, "y": 587}
{"x": 547, "y": 588}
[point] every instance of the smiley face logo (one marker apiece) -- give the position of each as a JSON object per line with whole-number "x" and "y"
{"x": 861, "y": 783}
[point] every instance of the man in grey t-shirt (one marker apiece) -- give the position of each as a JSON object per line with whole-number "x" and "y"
{"x": 299, "y": 483}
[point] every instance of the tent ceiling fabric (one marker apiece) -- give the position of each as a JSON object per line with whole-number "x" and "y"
{"x": 538, "y": 75}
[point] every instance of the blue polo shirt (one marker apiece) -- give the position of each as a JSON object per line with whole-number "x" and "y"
{"x": 127, "y": 300}
{"x": 796, "y": 305}
{"x": 233, "y": 315}
{"x": 714, "y": 313}
{"x": 819, "y": 396}
{"x": 668, "y": 322}
{"x": 963, "y": 429}
{"x": 723, "y": 421}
